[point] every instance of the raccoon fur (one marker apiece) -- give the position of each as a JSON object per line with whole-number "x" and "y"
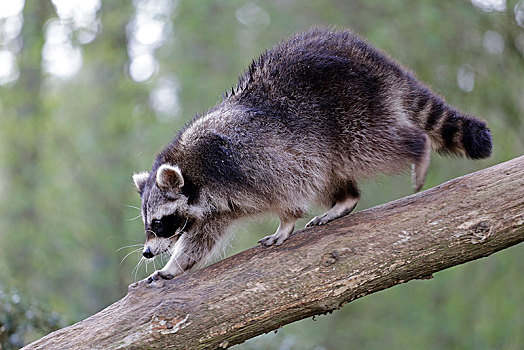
{"x": 307, "y": 120}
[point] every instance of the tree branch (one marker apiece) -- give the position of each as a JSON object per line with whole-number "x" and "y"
{"x": 316, "y": 271}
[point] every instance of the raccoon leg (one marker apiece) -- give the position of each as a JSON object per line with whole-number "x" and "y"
{"x": 181, "y": 260}
{"x": 171, "y": 270}
{"x": 286, "y": 227}
{"x": 345, "y": 201}
{"x": 176, "y": 265}
{"x": 421, "y": 158}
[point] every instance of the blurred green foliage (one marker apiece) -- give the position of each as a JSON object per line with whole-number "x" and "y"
{"x": 21, "y": 319}
{"x": 68, "y": 147}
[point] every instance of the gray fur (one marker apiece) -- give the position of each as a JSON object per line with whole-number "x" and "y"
{"x": 307, "y": 120}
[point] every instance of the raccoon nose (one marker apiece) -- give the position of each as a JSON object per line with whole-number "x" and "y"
{"x": 147, "y": 253}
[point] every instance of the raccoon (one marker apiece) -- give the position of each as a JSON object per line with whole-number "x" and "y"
{"x": 307, "y": 120}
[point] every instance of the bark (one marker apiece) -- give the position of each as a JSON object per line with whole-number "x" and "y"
{"x": 316, "y": 271}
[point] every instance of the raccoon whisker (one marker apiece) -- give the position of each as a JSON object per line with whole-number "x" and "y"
{"x": 154, "y": 263}
{"x": 135, "y": 270}
{"x": 140, "y": 263}
{"x": 147, "y": 264}
{"x": 128, "y": 246}
{"x": 180, "y": 267}
{"x": 189, "y": 256}
{"x": 177, "y": 233}
{"x": 144, "y": 263}
{"x": 132, "y": 272}
{"x": 131, "y": 206}
{"x": 183, "y": 227}
{"x": 131, "y": 252}
{"x": 138, "y": 267}
{"x": 136, "y": 217}
{"x": 153, "y": 232}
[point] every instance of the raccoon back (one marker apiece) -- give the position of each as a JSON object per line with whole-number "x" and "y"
{"x": 323, "y": 81}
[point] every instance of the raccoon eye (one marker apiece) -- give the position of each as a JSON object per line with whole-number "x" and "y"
{"x": 156, "y": 224}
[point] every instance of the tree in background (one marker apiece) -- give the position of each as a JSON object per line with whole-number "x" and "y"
{"x": 92, "y": 90}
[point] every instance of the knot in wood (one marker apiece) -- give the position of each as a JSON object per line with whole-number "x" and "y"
{"x": 481, "y": 231}
{"x": 163, "y": 325}
{"x": 331, "y": 258}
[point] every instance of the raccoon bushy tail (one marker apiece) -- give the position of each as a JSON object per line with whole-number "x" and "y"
{"x": 451, "y": 131}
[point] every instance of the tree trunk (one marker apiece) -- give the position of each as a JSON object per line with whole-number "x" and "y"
{"x": 23, "y": 132}
{"x": 316, "y": 271}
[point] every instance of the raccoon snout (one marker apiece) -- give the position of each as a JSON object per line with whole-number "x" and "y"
{"x": 147, "y": 253}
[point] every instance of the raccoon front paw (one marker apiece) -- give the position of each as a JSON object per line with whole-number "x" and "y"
{"x": 158, "y": 275}
{"x": 272, "y": 240}
{"x": 319, "y": 220}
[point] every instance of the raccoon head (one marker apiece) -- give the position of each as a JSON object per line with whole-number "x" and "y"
{"x": 166, "y": 210}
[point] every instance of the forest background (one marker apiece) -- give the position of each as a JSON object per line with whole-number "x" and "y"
{"x": 91, "y": 90}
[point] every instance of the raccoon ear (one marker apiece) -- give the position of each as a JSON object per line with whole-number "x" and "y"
{"x": 169, "y": 177}
{"x": 140, "y": 180}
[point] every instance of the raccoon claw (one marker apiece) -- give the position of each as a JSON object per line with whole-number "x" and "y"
{"x": 152, "y": 278}
{"x": 284, "y": 230}
{"x": 318, "y": 220}
{"x": 340, "y": 209}
{"x": 272, "y": 240}
{"x": 159, "y": 274}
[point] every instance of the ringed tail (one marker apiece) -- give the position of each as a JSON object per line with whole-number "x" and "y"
{"x": 451, "y": 131}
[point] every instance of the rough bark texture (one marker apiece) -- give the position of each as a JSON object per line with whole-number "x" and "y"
{"x": 316, "y": 271}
